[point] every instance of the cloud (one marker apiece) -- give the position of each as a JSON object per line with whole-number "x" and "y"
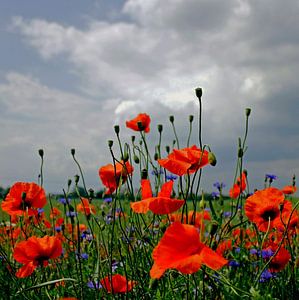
{"x": 243, "y": 54}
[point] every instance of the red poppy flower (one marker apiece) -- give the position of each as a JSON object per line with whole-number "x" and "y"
{"x": 264, "y": 207}
{"x": 289, "y": 190}
{"x": 55, "y": 212}
{"x": 183, "y": 161}
{"x": 36, "y": 252}
{"x": 24, "y": 198}
{"x": 140, "y": 123}
{"x": 86, "y": 207}
{"x": 117, "y": 284}
{"x": 239, "y": 187}
{"x": 111, "y": 177}
{"x": 181, "y": 249}
{"x": 280, "y": 260}
{"x": 194, "y": 218}
{"x": 160, "y": 205}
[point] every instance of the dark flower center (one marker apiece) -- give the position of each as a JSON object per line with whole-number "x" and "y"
{"x": 270, "y": 214}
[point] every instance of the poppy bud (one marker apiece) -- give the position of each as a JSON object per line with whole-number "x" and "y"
{"x": 77, "y": 177}
{"x": 91, "y": 193}
{"x": 240, "y": 152}
{"x": 202, "y": 203}
{"x": 140, "y": 142}
{"x": 247, "y": 112}
{"x": 212, "y": 159}
{"x": 191, "y": 118}
{"x": 281, "y": 207}
{"x": 41, "y": 153}
{"x": 133, "y": 138}
{"x": 294, "y": 180}
{"x": 110, "y": 143}
{"x": 198, "y": 92}
{"x": 73, "y": 151}
{"x": 245, "y": 172}
{"x": 156, "y": 156}
{"x": 167, "y": 148}
{"x": 144, "y": 174}
{"x": 136, "y": 159}
{"x": 213, "y": 228}
{"x": 116, "y": 129}
{"x": 160, "y": 127}
{"x": 171, "y": 119}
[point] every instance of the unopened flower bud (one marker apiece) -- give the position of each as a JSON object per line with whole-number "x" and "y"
{"x": 191, "y": 118}
{"x": 77, "y": 177}
{"x": 133, "y": 138}
{"x": 167, "y": 148}
{"x": 41, "y": 153}
{"x": 73, "y": 151}
{"x": 144, "y": 174}
{"x": 125, "y": 157}
{"x": 281, "y": 205}
{"x": 136, "y": 159}
{"x": 240, "y": 152}
{"x": 156, "y": 156}
{"x": 213, "y": 228}
{"x": 247, "y": 112}
{"x": 116, "y": 129}
{"x": 160, "y": 127}
{"x": 198, "y": 92}
{"x": 110, "y": 143}
{"x": 171, "y": 119}
{"x": 212, "y": 159}
{"x": 91, "y": 193}
{"x": 69, "y": 182}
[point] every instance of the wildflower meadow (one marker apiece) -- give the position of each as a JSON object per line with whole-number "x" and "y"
{"x": 153, "y": 233}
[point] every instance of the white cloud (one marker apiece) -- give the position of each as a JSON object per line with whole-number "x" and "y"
{"x": 153, "y": 59}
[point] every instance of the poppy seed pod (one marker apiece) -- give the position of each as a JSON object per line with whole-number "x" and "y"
{"x": 212, "y": 159}
{"x": 247, "y": 112}
{"x": 116, "y": 129}
{"x": 41, "y": 153}
{"x": 167, "y": 148}
{"x": 191, "y": 118}
{"x": 171, "y": 119}
{"x": 136, "y": 159}
{"x": 73, "y": 151}
{"x": 160, "y": 127}
{"x": 110, "y": 143}
{"x": 77, "y": 177}
{"x": 198, "y": 92}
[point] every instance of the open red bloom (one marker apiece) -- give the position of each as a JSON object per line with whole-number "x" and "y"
{"x": 183, "y": 161}
{"x": 263, "y": 208}
{"x": 24, "y": 198}
{"x": 112, "y": 176}
{"x": 36, "y": 252}
{"x": 280, "y": 260}
{"x": 140, "y": 123}
{"x": 194, "y": 218}
{"x": 181, "y": 249}
{"x": 117, "y": 284}
{"x": 160, "y": 205}
{"x": 289, "y": 190}
{"x": 238, "y": 187}
{"x": 86, "y": 207}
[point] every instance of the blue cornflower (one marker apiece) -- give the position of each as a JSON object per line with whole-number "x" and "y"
{"x": 64, "y": 201}
{"x": 238, "y": 250}
{"x": 58, "y": 228}
{"x": 271, "y": 177}
{"x": 71, "y": 214}
{"x": 266, "y": 275}
{"x": 107, "y": 200}
{"x": 94, "y": 285}
{"x": 234, "y": 264}
{"x": 40, "y": 211}
{"x": 84, "y": 256}
{"x": 227, "y": 214}
{"x": 254, "y": 252}
{"x": 267, "y": 253}
{"x": 215, "y": 195}
{"x": 171, "y": 177}
{"x": 219, "y": 185}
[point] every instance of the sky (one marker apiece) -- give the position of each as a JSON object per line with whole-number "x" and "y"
{"x": 71, "y": 70}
